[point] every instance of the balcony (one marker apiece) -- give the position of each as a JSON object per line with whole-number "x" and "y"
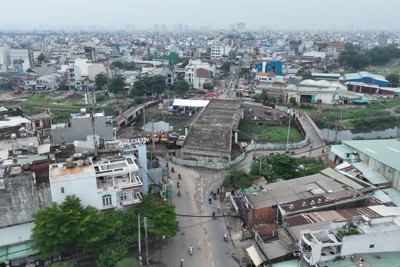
{"x": 131, "y": 202}
{"x": 118, "y": 183}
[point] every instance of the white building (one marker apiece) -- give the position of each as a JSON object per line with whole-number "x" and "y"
{"x": 74, "y": 77}
{"x": 198, "y": 78}
{"x": 95, "y": 69}
{"x": 217, "y": 51}
{"x": 362, "y": 235}
{"x": 22, "y": 56}
{"x": 104, "y": 184}
{"x": 4, "y": 55}
{"x": 83, "y": 64}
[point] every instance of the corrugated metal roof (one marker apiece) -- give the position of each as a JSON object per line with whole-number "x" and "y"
{"x": 255, "y": 257}
{"x": 372, "y": 176}
{"x": 394, "y": 195}
{"x": 386, "y": 151}
{"x": 385, "y": 210}
{"x": 341, "y": 178}
{"x": 341, "y": 150}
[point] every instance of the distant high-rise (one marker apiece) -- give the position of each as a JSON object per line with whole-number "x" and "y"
{"x": 156, "y": 27}
{"x": 240, "y": 26}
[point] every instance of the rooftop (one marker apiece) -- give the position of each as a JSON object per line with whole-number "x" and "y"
{"x": 386, "y": 150}
{"x": 319, "y": 189}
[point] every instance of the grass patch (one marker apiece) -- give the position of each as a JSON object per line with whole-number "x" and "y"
{"x": 273, "y": 134}
{"x": 366, "y": 116}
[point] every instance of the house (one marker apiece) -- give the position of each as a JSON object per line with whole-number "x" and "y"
{"x": 169, "y": 72}
{"x": 24, "y": 190}
{"x": 41, "y": 123}
{"x": 206, "y": 73}
{"x": 104, "y": 182}
{"x": 262, "y": 206}
{"x": 79, "y": 126}
{"x": 351, "y": 238}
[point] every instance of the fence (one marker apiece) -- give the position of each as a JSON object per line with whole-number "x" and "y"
{"x": 208, "y": 164}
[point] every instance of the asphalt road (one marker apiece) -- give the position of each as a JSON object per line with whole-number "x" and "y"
{"x": 197, "y": 227}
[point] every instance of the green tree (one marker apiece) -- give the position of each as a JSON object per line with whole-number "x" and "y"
{"x": 109, "y": 257}
{"x": 117, "y": 64}
{"x": 264, "y": 96}
{"x": 226, "y": 67}
{"x": 69, "y": 225}
{"x": 181, "y": 87}
{"x": 41, "y": 58}
{"x": 393, "y": 79}
{"x": 238, "y": 179}
{"x": 128, "y": 262}
{"x": 292, "y": 101}
{"x": 150, "y": 84}
{"x": 350, "y": 58}
{"x": 304, "y": 74}
{"x": 117, "y": 84}
{"x": 161, "y": 216}
{"x": 101, "y": 80}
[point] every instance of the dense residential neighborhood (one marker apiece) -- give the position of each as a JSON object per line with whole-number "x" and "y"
{"x": 199, "y": 146}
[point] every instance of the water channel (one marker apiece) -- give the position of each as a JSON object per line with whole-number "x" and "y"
{"x": 345, "y": 135}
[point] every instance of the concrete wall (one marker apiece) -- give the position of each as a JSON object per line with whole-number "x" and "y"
{"x": 80, "y": 129}
{"x": 85, "y": 188}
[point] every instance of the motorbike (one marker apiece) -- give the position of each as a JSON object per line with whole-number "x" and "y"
{"x": 215, "y": 196}
{"x": 225, "y": 237}
{"x": 179, "y": 193}
{"x": 209, "y": 200}
{"x": 191, "y": 251}
{"x": 179, "y": 176}
{"x": 177, "y": 184}
{"x": 213, "y": 214}
{"x": 172, "y": 169}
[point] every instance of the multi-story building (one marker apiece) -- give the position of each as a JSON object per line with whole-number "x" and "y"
{"x": 22, "y": 56}
{"x": 74, "y": 78}
{"x": 197, "y": 73}
{"x": 99, "y": 182}
{"x": 241, "y": 27}
{"x": 217, "y": 51}
{"x": 350, "y": 238}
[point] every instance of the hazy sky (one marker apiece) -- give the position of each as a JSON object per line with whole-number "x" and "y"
{"x": 277, "y": 14}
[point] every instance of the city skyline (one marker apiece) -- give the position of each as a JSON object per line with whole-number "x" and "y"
{"x": 222, "y": 14}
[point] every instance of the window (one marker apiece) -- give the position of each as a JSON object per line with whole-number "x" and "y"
{"x": 37, "y": 123}
{"x": 107, "y": 200}
{"x": 372, "y": 246}
{"x": 62, "y": 190}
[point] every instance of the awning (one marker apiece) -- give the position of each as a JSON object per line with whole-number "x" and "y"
{"x": 255, "y": 257}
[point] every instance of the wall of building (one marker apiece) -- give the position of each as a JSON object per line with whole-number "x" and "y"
{"x": 262, "y": 215}
{"x": 80, "y": 129}
{"x": 83, "y": 187}
{"x": 381, "y": 242}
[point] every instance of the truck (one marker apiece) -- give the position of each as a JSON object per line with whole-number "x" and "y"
{"x": 180, "y": 140}
{"x": 172, "y": 138}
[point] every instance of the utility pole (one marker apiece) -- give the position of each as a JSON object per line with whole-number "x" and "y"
{"x": 139, "y": 244}
{"x": 145, "y": 237}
